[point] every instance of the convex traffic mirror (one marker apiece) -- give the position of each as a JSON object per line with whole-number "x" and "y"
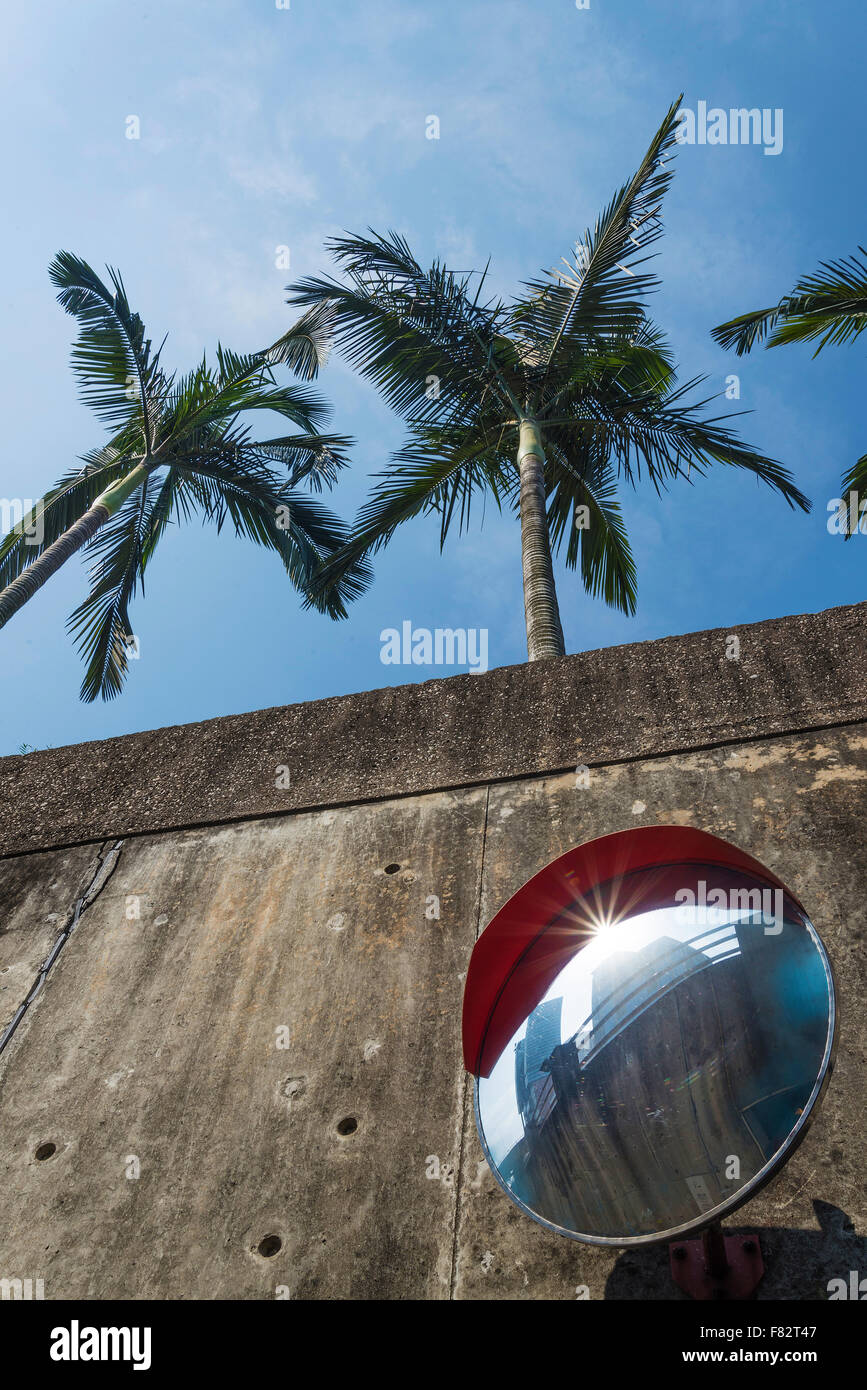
{"x": 650, "y": 1022}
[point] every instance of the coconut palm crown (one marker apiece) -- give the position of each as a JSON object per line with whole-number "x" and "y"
{"x": 178, "y": 446}
{"x": 546, "y": 402}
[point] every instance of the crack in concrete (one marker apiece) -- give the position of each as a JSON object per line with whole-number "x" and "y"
{"x": 107, "y": 860}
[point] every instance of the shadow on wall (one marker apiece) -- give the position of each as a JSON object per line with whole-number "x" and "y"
{"x": 798, "y": 1264}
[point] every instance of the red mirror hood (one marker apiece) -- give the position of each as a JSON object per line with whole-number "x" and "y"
{"x": 551, "y": 893}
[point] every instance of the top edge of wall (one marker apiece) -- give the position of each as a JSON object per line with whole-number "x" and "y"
{"x": 615, "y": 704}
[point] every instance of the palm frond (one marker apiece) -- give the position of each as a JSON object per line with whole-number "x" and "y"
{"x": 599, "y": 294}
{"x": 436, "y": 471}
{"x": 425, "y": 338}
{"x": 322, "y": 537}
{"x": 666, "y": 438}
{"x": 111, "y": 357}
{"x": 269, "y": 512}
{"x": 855, "y": 481}
{"x": 212, "y": 397}
{"x": 314, "y": 458}
{"x": 601, "y": 548}
{"x": 101, "y": 625}
{"x": 306, "y": 347}
{"x": 744, "y": 332}
{"x": 642, "y": 364}
{"x": 831, "y": 304}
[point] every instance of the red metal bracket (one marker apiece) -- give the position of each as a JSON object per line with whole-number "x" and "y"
{"x": 717, "y": 1266}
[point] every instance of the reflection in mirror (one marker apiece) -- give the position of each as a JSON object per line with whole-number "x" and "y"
{"x": 655, "y": 1061}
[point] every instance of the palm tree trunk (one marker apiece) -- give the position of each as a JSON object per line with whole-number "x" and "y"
{"x": 16, "y": 594}
{"x": 541, "y": 611}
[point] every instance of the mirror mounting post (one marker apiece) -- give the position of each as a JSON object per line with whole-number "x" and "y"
{"x": 717, "y": 1266}
{"x": 714, "y": 1251}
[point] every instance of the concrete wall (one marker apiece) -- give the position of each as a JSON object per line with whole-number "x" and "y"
{"x": 277, "y": 982}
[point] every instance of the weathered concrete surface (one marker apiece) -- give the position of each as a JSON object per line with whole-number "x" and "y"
{"x": 276, "y": 983}
{"x": 598, "y": 707}
{"x": 277, "y": 980}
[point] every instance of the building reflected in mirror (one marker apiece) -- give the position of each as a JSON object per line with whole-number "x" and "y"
{"x": 665, "y": 1067}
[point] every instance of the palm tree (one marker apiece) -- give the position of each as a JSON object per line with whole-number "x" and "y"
{"x": 830, "y": 304}
{"x": 178, "y": 446}
{"x": 545, "y": 402}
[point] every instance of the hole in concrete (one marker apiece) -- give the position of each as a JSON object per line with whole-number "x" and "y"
{"x": 45, "y": 1151}
{"x": 347, "y": 1126}
{"x": 392, "y": 868}
{"x": 269, "y": 1246}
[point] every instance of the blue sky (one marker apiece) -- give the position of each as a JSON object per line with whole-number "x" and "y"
{"x": 263, "y": 127}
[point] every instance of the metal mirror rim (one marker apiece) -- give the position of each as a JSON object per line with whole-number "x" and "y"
{"x": 793, "y": 1139}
